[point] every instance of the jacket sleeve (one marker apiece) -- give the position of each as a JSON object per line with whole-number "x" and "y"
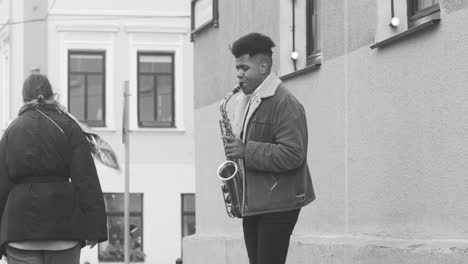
{"x": 288, "y": 150}
{"x": 5, "y": 182}
{"x": 86, "y": 182}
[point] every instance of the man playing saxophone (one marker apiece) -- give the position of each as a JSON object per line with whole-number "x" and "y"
{"x": 272, "y": 143}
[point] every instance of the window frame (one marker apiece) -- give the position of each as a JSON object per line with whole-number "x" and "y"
{"x": 137, "y": 214}
{"x": 183, "y": 212}
{"x": 71, "y": 52}
{"x": 212, "y": 21}
{"x": 314, "y": 54}
{"x": 155, "y": 123}
{"x": 417, "y": 17}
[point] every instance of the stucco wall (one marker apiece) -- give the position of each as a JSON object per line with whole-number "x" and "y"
{"x": 155, "y": 6}
{"x": 214, "y": 68}
{"x": 407, "y": 141}
{"x": 15, "y": 36}
{"x": 4, "y": 11}
{"x": 35, "y": 36}
{"x": 387, "y": 144}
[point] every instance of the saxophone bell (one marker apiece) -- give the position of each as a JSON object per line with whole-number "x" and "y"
{"x": 227, "y": 170}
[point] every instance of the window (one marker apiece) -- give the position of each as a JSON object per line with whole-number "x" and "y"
{"x": 420, "y": 11}
{"x": 155, "y": 89}
{"x": 113, "y": 249}
{"x": 86, "y": 86}
{"x": 300, "y": 22}
{"x": 204, "y": 13}
{"x": 188, "y": 214}
{"x": 312, "y": 35}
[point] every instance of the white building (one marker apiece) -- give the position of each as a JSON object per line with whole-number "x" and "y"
{"x": 88, "y": 49}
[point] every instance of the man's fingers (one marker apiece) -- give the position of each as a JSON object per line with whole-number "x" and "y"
{"x": 230, "y": 139}
{"x": 232, "y": 145}
{"x": 232, "y": 152}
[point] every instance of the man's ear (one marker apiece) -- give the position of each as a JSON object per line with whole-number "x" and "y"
{"x": 263, "y": 67}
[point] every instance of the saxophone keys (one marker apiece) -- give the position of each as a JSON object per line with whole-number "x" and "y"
{"x": 227, "y": 199}
{"x": 224, "y": 188}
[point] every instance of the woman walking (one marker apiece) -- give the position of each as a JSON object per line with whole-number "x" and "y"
{"x": 51, "y": 201}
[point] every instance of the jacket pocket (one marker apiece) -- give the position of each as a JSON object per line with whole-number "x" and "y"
{"x": 260, "y": 131}
{"x": 271, "y": 182}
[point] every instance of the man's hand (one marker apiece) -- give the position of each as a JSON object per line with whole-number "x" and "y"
{"x": 91, "y": 243}
{"x": 235, "y": 149}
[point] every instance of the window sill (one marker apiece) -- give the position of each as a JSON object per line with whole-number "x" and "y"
{"x": 300, "y": 72}
{"x": 425, "y": 13}
{"x": 103, "y": 129}
{"x": 200, "y": 29}
{"x": 157, "y": 130}
{"x": 410, "y": 31}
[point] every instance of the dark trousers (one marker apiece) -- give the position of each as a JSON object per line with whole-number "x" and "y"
{"x": 19, "y": 256}
{"x": 267, "y": 236}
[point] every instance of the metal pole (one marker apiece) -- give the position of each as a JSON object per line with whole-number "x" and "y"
{"x": 126, "y": 141}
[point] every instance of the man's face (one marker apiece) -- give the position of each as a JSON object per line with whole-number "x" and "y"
{"x": 248, "y": 72}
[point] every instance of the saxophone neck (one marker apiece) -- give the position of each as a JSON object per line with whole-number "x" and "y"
{"x": 228, "y": 96}
{"x": 236, "y": 89}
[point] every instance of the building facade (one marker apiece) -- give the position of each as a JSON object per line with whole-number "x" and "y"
{"x": 89, "y": 49}
{"x": 386, "y": 108}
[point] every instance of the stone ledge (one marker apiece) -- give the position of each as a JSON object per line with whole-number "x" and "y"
{"x": 225, "y": 249}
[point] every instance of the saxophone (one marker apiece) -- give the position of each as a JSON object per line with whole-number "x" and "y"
{"x": 229, "y": 171}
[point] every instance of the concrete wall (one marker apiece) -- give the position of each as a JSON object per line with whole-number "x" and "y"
{"x": 387, "y": 140}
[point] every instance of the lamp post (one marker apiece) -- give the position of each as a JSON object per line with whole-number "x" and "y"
{"x": 126, "y": 142}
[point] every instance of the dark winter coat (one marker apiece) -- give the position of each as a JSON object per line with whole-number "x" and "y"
{"x": 49, "y": 187}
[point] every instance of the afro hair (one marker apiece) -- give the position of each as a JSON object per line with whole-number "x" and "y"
{"x": 253, "y": 43}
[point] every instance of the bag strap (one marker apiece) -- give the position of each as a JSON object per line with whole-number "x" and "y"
{"x": 61, "y": 130}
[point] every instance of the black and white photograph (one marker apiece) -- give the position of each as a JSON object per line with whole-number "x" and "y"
{"x": 234, "y": 132}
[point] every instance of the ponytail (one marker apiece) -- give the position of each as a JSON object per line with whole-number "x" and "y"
{"x": 41, "y": 99}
